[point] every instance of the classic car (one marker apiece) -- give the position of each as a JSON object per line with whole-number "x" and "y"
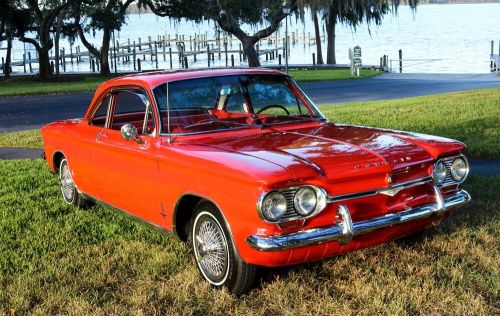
{"x": 240, "y": 164}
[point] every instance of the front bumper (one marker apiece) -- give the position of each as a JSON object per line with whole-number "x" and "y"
{"x": 344, "y": 231}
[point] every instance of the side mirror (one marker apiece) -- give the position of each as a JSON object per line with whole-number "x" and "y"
{"x": 128, "y": 131}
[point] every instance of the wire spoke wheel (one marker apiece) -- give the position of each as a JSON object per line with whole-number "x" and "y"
{"x": 211, "y": 248}
{"x": 67, "y": 184}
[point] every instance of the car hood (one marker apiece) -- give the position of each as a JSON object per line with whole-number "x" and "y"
{"x": 340, "y": 152}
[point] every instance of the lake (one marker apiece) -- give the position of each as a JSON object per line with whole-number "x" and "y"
{"x": 452, "y": 38}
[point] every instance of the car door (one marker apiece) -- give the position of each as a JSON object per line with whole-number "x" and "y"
{"x": 128, "y": 169}
{"x": 81, "y": 156}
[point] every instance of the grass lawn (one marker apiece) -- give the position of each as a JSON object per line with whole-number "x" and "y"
{"x": 33, "y": 87}
{"x": 58, "y": 259}
{"x": 330, "y": 74}
{"x": 471, "y": 116}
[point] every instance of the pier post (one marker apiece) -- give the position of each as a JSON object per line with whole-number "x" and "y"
{"x": 400, "y": 61}
{"x": 156, "y": 54}
{"x": 208, "y": 55}
{"x": 29, "y": 62}
{"x": 133, "y": 56}
{"x": 225, "y": 52}
{"x": 63, "y": 59}
{"x": 163, "y": 47}
{"x": 170, "y": 54}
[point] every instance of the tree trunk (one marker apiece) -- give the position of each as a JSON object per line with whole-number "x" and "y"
{"x": 319, "y": 53}
{"x": 104, "y": 54}
{"x": 45, "y": 71}
{"x": 251, "y": 52}
{"x": 56, "y": 43}
{"x": 8, "y": 57}
{"x": 104, "y": 61}
{"x": 330, "y": 25}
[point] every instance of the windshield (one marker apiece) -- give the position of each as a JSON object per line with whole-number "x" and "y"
{"x": 230, "y": 102}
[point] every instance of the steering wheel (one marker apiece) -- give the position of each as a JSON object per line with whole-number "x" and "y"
{"x": 270, "y": 106}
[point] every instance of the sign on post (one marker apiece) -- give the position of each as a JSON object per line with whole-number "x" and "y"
{"x": 356, "y": 62}
{"x": 356, "y": 52}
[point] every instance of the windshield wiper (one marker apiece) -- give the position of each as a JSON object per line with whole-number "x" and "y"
{"x": 301, "y": 119}
{"x": 216, "y": 121}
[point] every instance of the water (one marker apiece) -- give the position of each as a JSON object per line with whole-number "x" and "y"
{"x": 434, "y": 39}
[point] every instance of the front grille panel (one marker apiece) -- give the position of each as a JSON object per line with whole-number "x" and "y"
{"x": 290, "y": 209}
{"x": 449, "y": 179}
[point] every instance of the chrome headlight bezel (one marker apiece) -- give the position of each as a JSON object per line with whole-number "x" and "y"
{"x": 292, "y": 210}
{"x": 449, "y": 178}
{"x": 462, "y": 178}
{"x": 440, "y": 172}
{"x": 265, "y": 213}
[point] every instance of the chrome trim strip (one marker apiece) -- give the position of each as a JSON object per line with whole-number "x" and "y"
{"x": 345, "y": 230}
{"x": 391, "y": 191}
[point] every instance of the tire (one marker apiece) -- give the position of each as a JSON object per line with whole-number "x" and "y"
{"x": 215, "y": 254}
{"x": 68, "y": 188}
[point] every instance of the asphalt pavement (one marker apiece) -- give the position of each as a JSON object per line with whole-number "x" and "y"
{"x": 29, "y": 112}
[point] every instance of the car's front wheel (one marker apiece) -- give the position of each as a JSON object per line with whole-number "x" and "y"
{"x": 215, "y": 253}
{"x": 68, "y": 188}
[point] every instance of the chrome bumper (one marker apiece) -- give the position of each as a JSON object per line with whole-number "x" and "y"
{"x": 344, "y": 231}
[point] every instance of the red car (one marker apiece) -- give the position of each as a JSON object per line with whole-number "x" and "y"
{"x": 241, "y": 164}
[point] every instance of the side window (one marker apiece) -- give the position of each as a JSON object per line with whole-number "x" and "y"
{"x": 130, "y": 108}
{"x": 99, "y": 118}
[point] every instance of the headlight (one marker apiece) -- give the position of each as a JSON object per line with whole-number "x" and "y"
{"x": 273, "y": 206}
{"x": 459, "y": 169}
{"x": 305, "y": 201}
{"x": 440, "y": 172}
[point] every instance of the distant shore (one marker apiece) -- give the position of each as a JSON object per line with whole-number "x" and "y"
{"x": 134, "y": 9}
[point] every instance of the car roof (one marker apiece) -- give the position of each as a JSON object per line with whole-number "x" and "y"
{"x": 155, "y": 78}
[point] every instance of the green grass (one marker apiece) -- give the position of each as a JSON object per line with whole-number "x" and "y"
{"x": 58, "y": 259}
{"x": 34, "y": 87}
{"x": 330, "y": 74}
{"x": 472, "y": 117}
{"x": 30, "y": 138}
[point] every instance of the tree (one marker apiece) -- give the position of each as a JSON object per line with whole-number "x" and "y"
{"x": 44, "y": 13}
{"x": 106, "y": 16}
{"x": 353, "y": 13}
{"x": 13, "y": 21}
{"x": 230, "y": 15}
{"x": 319, "y": 52}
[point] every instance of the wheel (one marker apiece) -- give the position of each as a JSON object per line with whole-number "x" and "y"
{"x": 216, "y": 256}
{"x": 68, "y": 189}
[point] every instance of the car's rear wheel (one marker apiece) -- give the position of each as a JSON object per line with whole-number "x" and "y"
{"x": 216, "y": 256}
{"x": 68, "y": 188}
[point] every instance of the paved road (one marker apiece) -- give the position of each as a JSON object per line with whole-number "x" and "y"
{"x": 28, "y": 112}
